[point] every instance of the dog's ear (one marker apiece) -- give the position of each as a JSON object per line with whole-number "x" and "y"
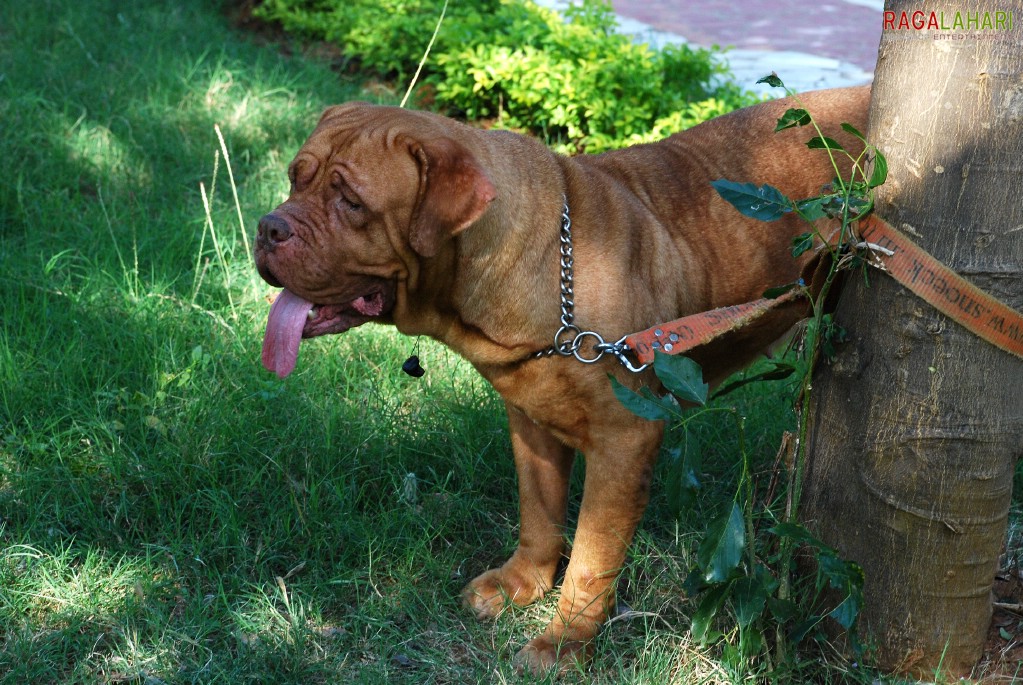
{"x": 454, "y": 191}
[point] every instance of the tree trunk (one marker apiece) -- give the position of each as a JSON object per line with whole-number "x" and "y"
{"x": 916, "y": 427}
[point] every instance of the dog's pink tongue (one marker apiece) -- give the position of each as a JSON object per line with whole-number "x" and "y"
{"x": 284, "y": 332}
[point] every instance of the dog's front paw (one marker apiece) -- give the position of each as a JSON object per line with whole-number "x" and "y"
{"x": 492, "y": 592}
{"x": 543, "y": 654}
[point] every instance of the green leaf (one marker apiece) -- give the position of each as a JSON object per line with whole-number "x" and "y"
{"x": 780, "y": 371}
{"x": 844, "y": 576}
{"x": 849, "y": 128}
{"x": 694, "y": 583}
{"x": 682, "y": 377}
{"x": 749, "y": 597}
{"x": 831, "y": 334}
{"x": 765, "y": 203}
{"x": 751, "y": 643}
{"x": 778, "y": 291}
{"x": 838, "y": 572}
{"x": 684, "y": 469}
{"x": 859, "y": 206}
{"x": 721, "y": 549}
{"x": 783, "y": 610}
{"x": 643, "y": 404}
{"x": 834, "y": 204}
{"x": 707, "y": 609}
{"x": 772, "y": 80}
{"x": 880, "y": 173}
{"x": 802, "y": 243}
{"x": 803, "y": 628}
{"x": 797, "y": 533}
{"x": 792, "y": 117}
{"x": 846, "y": 612}
{"x": 813, "y": 208}
{"x": 824, "y": 143}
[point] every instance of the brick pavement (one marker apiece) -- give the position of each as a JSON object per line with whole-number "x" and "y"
{"x": 843, "y": 30}
{"x": 834, "y": 43}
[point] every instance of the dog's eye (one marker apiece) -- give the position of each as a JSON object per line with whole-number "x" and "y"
{"x": 346, "y": 199}
{"x": 347, "y": 202}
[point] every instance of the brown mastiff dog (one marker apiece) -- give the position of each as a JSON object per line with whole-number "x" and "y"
{"x": 444, "y": 230}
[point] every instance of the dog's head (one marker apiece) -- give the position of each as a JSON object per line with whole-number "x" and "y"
{"x": 373, "y": 189}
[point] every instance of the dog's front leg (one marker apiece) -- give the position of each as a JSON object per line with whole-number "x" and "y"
{"x": 543, "y": 465}
{"x": 619, "y": 466}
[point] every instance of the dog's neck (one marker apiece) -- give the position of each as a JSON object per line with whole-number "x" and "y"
{"x": 501, "y": 274}
{"x": 522, "y": 264}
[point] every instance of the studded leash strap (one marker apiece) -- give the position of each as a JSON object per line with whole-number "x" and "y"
{"x": 890, "y": 251}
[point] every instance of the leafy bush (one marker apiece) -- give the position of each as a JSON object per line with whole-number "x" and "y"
{"x": 572, "y": 80}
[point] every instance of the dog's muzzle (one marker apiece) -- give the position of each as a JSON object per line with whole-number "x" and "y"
{"x": 272, "y": 231}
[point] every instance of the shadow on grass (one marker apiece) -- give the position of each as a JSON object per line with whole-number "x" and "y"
{"x": 169, "y": 511}
{"x": 155, "y": 482}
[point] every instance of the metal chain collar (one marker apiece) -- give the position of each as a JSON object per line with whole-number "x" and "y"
{"x": 568, "y": 341}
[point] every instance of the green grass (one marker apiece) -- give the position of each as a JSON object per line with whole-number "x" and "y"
{"x": 170, "y": 512}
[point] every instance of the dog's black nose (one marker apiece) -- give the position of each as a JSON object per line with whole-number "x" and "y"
{"x": 272, "y": 231}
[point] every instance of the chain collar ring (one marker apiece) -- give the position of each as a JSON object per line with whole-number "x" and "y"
{"x": 569, "y": 338}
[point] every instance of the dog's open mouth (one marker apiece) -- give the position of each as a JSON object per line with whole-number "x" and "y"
{"x": 293, "y": 318}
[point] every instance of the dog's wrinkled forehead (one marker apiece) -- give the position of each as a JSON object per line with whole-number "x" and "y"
{"x": 356, "y": 114}
{"x": 358, "y": 123}
{"x": 359, "y": 136}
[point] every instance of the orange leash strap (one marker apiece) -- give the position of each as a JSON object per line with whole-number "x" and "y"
{"x": 906, "y": 262}
{"x": 942, "y": 288}
{"x": 682, "y": 335}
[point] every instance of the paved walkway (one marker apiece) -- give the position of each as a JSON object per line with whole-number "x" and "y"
{"x": 810, "y": 45}
{"x": 825, "y": 44}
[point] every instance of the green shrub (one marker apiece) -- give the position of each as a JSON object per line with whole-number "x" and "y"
{"x": 571, "y": 80}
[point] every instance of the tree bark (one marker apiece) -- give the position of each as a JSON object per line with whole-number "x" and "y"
{"x": 916, "y": 426}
